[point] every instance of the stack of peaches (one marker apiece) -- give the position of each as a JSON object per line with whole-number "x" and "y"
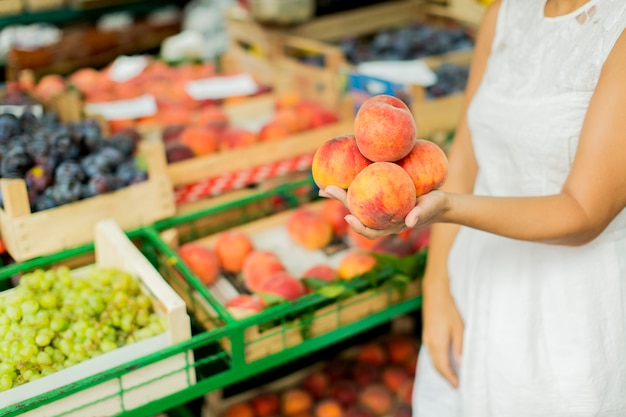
{"x": 383, "y": 166}
{"x": 374, "y": 380}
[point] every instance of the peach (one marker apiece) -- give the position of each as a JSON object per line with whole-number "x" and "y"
{"x": 372, "y": 353}
{"x": 317, "y": 383}
{"x": 381, "y": 195}
{"x": 85, "y": 79}
{"x": 273, "y": 130}
{"x": 354, "y": 264}
{"x": 239, "y": 410}
{"x": 394, "y": 245}
{"x": 201, "y": 260}
{"x": 174, "y": 116}
{"x": 358, "y": 410}
{"x": 257, "y": 266}
{"x": 309, "y": 229}
{"x": 405, "y": 392}
{"x": 377, "y": 398}
{"x": 176, "y": 152}
{"x": 337, "y": 368}
{"x": 361, "y": 242}
{"x": 420, "y": 237}
{"x": 427, "y": 166}
{"x": 321, "y": 271}
{"x": 402, "y": 410}
{"x": 266, "y": 404}
{"x": 233, "y": 138}
{"x": 394, "y": 376}
{"x": 335, "y": 213}
{"x": 247, "y": 303}
{"x": 282, "y": 284}
{"x": 411, "y": 365}
{"x": 289, "y": 118}
{"x": 337, "y": 162}
{"x": 401, "y": 348}
{"x": 171, "y": 133}
{"x": 201, "y": 140}
{"x": 213, "y": 116}
{"x": 344, "y": 391}
{"x": 295, "y": 401}
{"x": 49, "y": 86}
{"x": 322, "y": 117}
{"x": 232, "y": 247}
{"x": 384, "y": 128}
{"x": 365, "y": 374}
{"x": 287, "y": 99}
{"x": 328, "y": 408}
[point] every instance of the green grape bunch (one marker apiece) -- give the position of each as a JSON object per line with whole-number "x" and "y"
{"x": 53, "y": 320}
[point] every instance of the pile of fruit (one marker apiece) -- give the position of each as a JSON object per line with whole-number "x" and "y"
{"x": 451, "y": 79}
{"x": 417, "y": 40}
{"x": 383, "y": 166}
{"x": 63, "y": 163}
{"x": 165, "y": 83}
{"x": 211, "y": 130}
{"x": 376, "y": 380}
{"x": 53, "y": 320}
{"x": 261, "y": 275}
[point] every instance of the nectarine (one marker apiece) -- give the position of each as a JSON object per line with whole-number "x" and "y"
{"x": 337, "y": 162}
{"x": 257, "y": 266}
{"x": 232, "y": 247}
{"x": 355, "y": 263}
{"x": 384, "y": 128}
{"x": 201, "y": 260}
{"x": 427, "y": 165}
{"x": 381, "y": 195}
{"x": 309, "y": 229}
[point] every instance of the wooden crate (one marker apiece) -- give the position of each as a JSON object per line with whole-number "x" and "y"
{"x": 467, "y": 11}
{"x": 280, "y": 333}
{"x": 257, "y": 48}
{"x": 261, "y": 159}
{"x": 11, "y": 7}
{"x": 28, "y": 235}
{"x": 41, "y": 5}
{"x": 113, "y": 249}
{"x": 217, "y": 403}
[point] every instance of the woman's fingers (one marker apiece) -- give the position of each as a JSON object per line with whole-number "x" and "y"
{"x": 440, "y": 355}
{"x": 335, "y": 192}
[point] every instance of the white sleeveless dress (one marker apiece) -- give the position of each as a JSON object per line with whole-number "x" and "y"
{"x": 545, "y": 325}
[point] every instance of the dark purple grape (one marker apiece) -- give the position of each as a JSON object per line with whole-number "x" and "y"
{"x": 29, "y": 123}
{"x": 126, "y": 172}
{"x": 97, "y": 185}
{"x": 92, "y": 135}
{"x": 69, "y": 172}
{"x": 113, "y": 156}
{"x": 9, "y": 127}
{"x": 64, "y": 146}
{"x": 44, "y": 201}
{"x": 50, "y": 120}
{"x": 38, "y": 148}
{"x": 123, "y": 142}
{"x": 66, "y": 192}
{"x": 95, "y": 164}
{"x": 15, "y": 163}
{"x": 37, "y": 179}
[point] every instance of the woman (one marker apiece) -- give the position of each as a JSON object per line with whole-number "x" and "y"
{"x": 525, "y": 286}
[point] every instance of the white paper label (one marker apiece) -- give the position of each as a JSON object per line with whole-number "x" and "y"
{"x": 18, "y": 110}
{"x": 124, "y": 109}
{"x": 222, "y": 87}
{"x": 400, "y": 72}
{"x": 125, "y": 68}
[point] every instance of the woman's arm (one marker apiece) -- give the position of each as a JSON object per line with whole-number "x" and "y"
{"x": 592, "y": 195}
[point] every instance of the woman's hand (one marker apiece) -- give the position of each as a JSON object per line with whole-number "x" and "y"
{"x": 442, "y": 330}
{"x": 426, "y": 211}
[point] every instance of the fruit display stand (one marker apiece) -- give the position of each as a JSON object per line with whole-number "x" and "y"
{"x": 121, "y": 379}
{"x": 271, "y": 332}
{"x": 219, "y": 173}
{"x": 316, "y": 40}
{"x": 27, "y": 235}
